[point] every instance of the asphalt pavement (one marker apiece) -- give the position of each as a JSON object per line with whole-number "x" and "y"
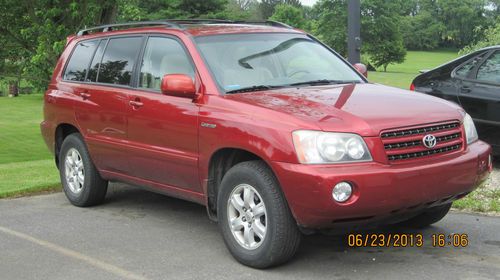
{"x": 141, "y": 235}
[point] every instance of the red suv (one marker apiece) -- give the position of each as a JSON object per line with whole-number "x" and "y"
{"x": 274, "y": 132}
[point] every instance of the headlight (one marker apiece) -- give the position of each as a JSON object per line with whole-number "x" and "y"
{"x": 470, "y": 129}
{"x": 316, "y": 147}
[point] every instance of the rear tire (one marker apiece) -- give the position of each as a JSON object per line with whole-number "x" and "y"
{"x": 80, "y": 179}
{"x": 427, "y": 218}
{"x": 250, "y": 202}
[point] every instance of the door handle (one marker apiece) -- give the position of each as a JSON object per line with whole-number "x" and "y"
{"x": 465, "y": 89}
{"x": 85, "y": 95}
{"x": 135, "y": 103}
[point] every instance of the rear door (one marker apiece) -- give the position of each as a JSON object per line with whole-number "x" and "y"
{"x": 163, "y": 130}
{"x": 102, "y": 109}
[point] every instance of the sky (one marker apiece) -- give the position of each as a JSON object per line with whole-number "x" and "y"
{"x": 308, "y": 2}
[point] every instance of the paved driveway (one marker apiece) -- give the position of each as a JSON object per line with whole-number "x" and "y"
{"x": 141, "y": 235}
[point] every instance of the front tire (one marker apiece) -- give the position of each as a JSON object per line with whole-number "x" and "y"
{"x": 254, "y": 218}
{"x": 81, "y": 181}
{"x": 429, "y": 217}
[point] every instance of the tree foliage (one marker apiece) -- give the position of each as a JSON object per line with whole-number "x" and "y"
{"x": 33, "y": 33}
{"x": 267, "y": 6}
{"x": 290, "y": 15}
{"x": 331, "y": 17}
{"x": 382, "y": 38}
{"x": 491, "y": 38}
{"x": 422, "y": 31}
{"x": 429, "y": 24}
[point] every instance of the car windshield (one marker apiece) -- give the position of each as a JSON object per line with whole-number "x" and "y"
{"x": 252, "y": 62}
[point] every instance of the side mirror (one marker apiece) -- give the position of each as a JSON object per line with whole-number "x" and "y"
{"x": 180, "y": 85}
{"x": 361, "y": 69}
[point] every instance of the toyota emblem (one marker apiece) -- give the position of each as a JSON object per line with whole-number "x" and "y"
{"x": 429, "y": 141}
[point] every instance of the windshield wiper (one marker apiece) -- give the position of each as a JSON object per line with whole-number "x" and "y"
{"x": 253, "y": 88}
{"x": 324, "y": 82}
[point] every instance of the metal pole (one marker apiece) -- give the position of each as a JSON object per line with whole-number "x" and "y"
{"x": 354, "y": 31}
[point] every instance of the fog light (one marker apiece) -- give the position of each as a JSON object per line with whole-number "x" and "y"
{"x": 342, "y": 191}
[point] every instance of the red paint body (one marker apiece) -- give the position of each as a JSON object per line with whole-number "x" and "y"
{"x": 158, "y": 141}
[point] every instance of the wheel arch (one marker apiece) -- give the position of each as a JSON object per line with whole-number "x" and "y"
{"x": 220, "y": 162}
{"x": 62, "y": 131}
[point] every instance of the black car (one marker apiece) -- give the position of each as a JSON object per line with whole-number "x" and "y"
{"x": 473, "y": 81}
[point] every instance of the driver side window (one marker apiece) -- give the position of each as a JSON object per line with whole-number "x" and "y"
{"x": 489, "y": 71}
{"x": 163, "y": 56}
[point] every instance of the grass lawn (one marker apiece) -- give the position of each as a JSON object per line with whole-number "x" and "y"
{"x": 401, "y": 75}
{"x": 25, "y": 163}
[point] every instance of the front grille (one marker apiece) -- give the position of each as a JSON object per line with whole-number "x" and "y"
{"x": 404, "y": 144}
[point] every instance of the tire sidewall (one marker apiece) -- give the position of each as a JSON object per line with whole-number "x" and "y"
{"x": 246, "y": 175}
{"x": 75, "y": 141}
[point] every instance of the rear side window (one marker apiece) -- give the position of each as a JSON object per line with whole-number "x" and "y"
{"x": 96, "y": 61}
{"x": 76, "y": 70}
{"x": 467, "y": 68}
{"x": 118, "y": 60}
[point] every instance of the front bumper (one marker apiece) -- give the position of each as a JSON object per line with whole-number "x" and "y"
{"x": 381, "y": 192}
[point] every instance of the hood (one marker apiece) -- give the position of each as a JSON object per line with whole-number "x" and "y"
{"x": 365, "y": 109}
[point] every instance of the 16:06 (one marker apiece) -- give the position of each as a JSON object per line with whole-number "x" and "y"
{"x": 451, "y": 240}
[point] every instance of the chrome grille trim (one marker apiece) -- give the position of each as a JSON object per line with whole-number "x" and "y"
{"x": 421, "y": 130}
{"x": 419, "y": 142}
{"x": 424, "y": 153}
{"x": 402, "y": 144}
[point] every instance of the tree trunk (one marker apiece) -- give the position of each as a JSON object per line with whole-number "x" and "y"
{"x": 109, "y": 12}
{"x": 385, "y": 68}
{"x": 13, "y": 89}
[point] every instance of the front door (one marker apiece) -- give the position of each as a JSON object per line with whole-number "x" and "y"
{"x": 480, "y": 97}
{"x": 163, "y": 130}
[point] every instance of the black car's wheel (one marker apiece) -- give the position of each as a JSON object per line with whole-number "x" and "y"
{"x": 81, "y": 182}
{"x": 427, "y": 218}
{"x": 254, "y": 217}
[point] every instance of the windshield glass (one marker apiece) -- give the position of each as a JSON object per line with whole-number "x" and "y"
{"x": 261, "y": 61}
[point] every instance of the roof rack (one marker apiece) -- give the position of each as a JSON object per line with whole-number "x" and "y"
{"x": 110, "y": 27}
{"x": 199, "y": 21}
{"x": 266, "y": 22}
{"x": 225, "y": 21}
{"x": 177, "y": 23}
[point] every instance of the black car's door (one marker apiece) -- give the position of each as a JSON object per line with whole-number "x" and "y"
{"x": 479, "y": 93}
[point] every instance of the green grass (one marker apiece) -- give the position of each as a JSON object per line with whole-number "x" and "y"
{"x": 481, "y": 200}
{"x": 401, "y": 75}
{"x": 21, "y": 178}
{"x": 25, "y": 163}
{"x": 20, "y": 138}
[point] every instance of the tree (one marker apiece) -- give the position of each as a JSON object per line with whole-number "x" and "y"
{"x": 197, "y": 8}
{"x": 290, "y": 15}
{"x": 242, "y": 10}
{"x": 491, "y": 38}
{"x": 382, "y": 38}
{"x": 267, "y": 6}
{"x": 331, "y": 23}
{"x": 36, "y": 31}
{"x": 171, "y": 9}
{"x": 421, "y": 31}
{"x": 462, "y": 19}
{"x": 33, "y": 33}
